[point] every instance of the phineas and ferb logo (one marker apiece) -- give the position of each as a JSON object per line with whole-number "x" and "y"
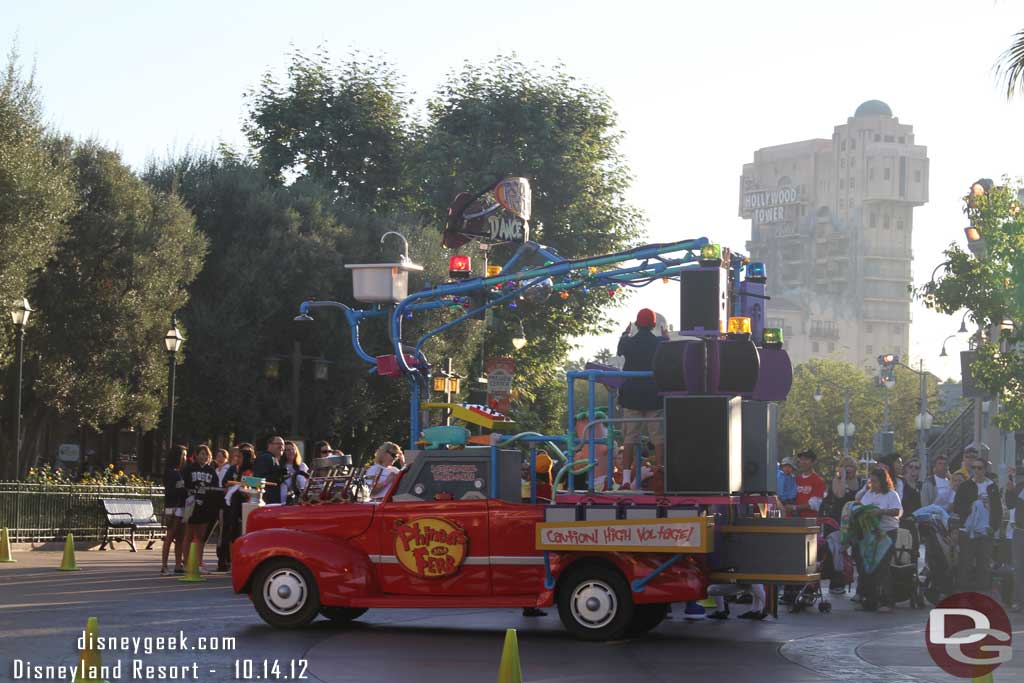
{"x": 430, "y": 547}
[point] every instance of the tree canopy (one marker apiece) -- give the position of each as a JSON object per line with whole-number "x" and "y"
{"x": 991, "y": 286}
{"x": 807, "y": 423}
{"x": 106, "y": 298}
{"x": 36, "y": 192}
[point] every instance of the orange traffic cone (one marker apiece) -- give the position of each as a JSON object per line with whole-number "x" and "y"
{"x": 5, "y": 547}
{"x": 192, "y": 574}
{"x": 509, "y": 671}
{"x": 67, "y": 564}
{"x": 90, "y": 660}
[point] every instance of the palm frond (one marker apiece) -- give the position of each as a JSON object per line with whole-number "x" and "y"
{"x": 1010, "y": 67}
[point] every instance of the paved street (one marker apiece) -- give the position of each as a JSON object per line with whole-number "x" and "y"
{"x": 43, "y": 611}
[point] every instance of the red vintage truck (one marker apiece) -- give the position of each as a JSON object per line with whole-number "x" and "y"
{"x": 454, "y": 532}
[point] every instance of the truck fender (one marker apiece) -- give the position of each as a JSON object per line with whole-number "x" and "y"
{"x": 341, "y": 570}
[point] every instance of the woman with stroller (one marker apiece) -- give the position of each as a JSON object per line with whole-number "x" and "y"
{"x": 876, "y": 586}
{"x": 843, "y": 489}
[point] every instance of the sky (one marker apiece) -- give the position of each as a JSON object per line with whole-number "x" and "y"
{"x": 698, "y": 88}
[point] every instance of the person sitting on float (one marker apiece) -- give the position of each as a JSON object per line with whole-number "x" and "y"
{"x": 388, "y": 460}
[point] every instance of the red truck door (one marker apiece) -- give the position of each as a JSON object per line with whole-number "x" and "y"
{"x": 438, "y": 548}
{"x": 517, "y": 567}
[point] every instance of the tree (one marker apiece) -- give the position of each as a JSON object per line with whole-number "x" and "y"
{"x": 806, "y": 423}
{"x": 36, "y": 193}
{"x": 991, "y": 287}
{"x": 272, "y": 247}
{"x": 344, "y": 125}
{"x": 1010, "y": 67}
{"x": 107, "y": 296}
{"x": 505, "y": 118}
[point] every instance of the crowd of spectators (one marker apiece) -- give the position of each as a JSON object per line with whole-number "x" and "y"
{"x": 986, "y": 540}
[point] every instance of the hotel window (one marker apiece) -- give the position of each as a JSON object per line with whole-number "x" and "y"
{"x": 842, "y": 145}
{"x": 889, "y": 138}
{"x": 903, "y": 140}
{"x": 917, "y": 176}
{"x": 842, "y": 184}
{"x": 869, "y": 328}
{"x": 814, "y": 347}
{"x": 878, "y": 138}
{"x": 873, "y": 220}
{"x": 869, "y": 349}
{"x": 853, "y": 161}
{"x": 831, "y": 347}
{"x": 887, "y": 174}
{"x": 842, "y": 163}
{"x": 871, "y": 174}
{"x": 853, "y": 143}
{"x": 885, "y": 221}
{"x": 899, "y": 223}
{"x": 851, "y": 183}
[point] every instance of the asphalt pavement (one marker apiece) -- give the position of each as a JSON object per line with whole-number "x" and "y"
{"x": 44, "y": 611}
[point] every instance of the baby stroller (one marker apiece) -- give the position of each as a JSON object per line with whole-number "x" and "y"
{"x": 906, "y": 586}
{"x": 811, "y": 593}
{"x": 937, "y": 576}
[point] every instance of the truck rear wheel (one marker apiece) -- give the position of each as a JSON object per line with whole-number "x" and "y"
{"x": 595, "y": 603}
{"x": 646, "y": 618}
{"x": 285, "y": 593}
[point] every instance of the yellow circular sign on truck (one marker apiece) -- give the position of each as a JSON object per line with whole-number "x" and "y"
{"x": 430, "y": 547}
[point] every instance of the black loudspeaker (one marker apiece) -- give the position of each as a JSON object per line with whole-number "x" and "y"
{"x": 759, "y": 469}
{"x": 702, "y": 444}
{"x": 704, "y": 299}
{"x": 680, "y": 365}
{"x": 735, "y": 366}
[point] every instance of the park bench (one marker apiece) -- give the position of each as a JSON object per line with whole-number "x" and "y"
{"x": 133, "y": 514}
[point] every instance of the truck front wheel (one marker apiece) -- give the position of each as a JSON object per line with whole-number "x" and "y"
{"x": 595, "y": 603}
{"x": 285, "y": 593}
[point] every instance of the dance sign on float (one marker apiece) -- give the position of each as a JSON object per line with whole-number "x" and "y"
{"x": 968, "y": 635}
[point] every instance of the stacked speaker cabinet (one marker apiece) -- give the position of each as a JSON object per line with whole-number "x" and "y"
{"x": 759, "y": 449}
{"x": 703, "y": 444}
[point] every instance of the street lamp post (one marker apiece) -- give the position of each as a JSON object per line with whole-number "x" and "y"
{"x": 19, "y": 315}
{"x": 172, "y": 342}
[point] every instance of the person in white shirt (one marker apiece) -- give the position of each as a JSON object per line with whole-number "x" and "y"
{"x": 387, "y": 461}
{"x": 876, "y": 587}
{"x": 295, "y": 473}
{"x": 937, "y": 489}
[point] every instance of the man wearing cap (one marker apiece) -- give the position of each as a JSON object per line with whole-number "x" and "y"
{"x": 785, "y": 482}
{"x": 639, "y": 395}
{"x": 810, "y": 488}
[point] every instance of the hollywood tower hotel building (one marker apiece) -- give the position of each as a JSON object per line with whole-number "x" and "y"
{"x": 832, "y": 220}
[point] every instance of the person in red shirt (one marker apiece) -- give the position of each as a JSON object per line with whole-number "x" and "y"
{"x": 810, "y": 488}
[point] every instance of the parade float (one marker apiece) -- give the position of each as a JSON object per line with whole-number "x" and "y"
{"x": 455, "y": 530}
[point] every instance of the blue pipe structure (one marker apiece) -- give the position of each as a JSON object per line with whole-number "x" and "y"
{"x": 651, "y": 262}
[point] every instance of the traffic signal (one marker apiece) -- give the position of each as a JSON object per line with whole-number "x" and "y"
{"x": 887, "y": 363}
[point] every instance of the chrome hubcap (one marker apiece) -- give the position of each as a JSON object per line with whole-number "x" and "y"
{"x": 285, "y": 591}
{"x": 594, "y": 604}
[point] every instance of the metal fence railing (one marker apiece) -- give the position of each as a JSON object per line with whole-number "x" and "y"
{"x": 47, "y": 512}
